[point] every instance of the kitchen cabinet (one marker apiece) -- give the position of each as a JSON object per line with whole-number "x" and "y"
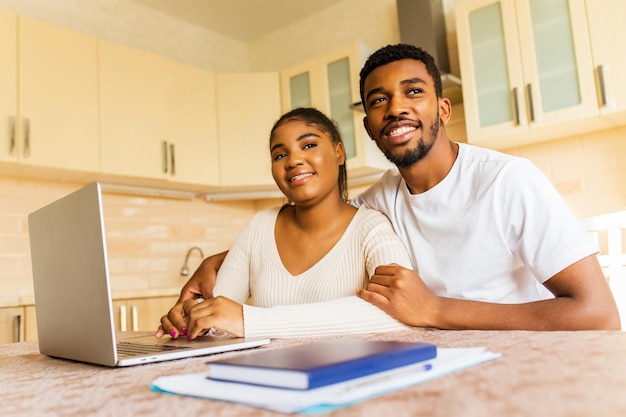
{"x": 527, "y": 70}
{"x": 607, "y": 30}
{"x": 248, "y": 104}
{"x": 8, "y": 86}
{"x": 132, "y": 112}
{"x": 11, "y": 324}
{"x": 191, "y": 125}
{"x": 141, "y": 314}
{"x": 30, "y": 323}
{"x": 49, "y": 99}
{"x": 158, "y": 117}
{"x": 331, "y": 84}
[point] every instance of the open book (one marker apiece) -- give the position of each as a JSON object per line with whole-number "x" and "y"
{"x": 329, "y": 397}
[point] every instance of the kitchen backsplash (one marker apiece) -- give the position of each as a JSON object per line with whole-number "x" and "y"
{"x": 147, "y": 237}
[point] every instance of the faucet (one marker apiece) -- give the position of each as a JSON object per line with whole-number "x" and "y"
{"x": 185, "y": 269}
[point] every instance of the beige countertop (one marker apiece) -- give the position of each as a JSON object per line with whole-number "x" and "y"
{"x": 554, "y": 374}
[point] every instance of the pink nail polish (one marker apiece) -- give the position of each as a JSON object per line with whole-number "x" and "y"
{"x": 184, "y": 331}
{"x": 173, "y": 333}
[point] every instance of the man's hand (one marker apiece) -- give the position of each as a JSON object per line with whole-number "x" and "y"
{"x": 216, "y": 313}
{"x": 200, "y": 285}
{"x": 582, "y": 301}
{"x": 402, "y": 294}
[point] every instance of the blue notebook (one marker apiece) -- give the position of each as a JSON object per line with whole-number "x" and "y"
{"x": 318, "y": 364}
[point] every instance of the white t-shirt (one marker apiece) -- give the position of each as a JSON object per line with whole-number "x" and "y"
{"x": 321, "y": 300}
{"x": 494, "y": 229}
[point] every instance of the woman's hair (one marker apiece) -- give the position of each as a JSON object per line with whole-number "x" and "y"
{"x": 392, "y": 53}
{"x": 312, "y": 116}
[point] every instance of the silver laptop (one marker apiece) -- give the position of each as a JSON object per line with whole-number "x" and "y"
{"x": 73, "y": 292}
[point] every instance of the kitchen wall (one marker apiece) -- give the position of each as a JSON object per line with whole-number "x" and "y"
{"x": 150, "y": 236}
{"x": 147, "y": 238}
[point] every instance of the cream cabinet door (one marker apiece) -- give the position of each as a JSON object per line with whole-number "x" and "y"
{"x": 54, "y": 120}
{"x": 8, "y": 86}
{"x": 191, "y": 125}
{"x": 526, "y": 66}
{"x": 141, "y": 314}
{"x": 330, "y": 83}
{"x": 11, "y": 324}
{"x": 248, "y": 104}
{"x": 30, "y": 323}
{"x": 132, "y": 112}
{"x": 608, "y": 30}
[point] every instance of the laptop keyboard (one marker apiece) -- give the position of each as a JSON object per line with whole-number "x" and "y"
{"x": 126, "y": 349}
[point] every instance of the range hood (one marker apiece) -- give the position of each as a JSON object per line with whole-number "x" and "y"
{"x": 422, "y": 24}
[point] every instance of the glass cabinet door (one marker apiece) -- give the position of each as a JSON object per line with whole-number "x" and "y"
{"x": 300, "y": 90}
{"x": 526, "y": 65}
{"x": 491, "y": 73}
{"x": 555, "y": 55}
{"x": 340, "y": 98}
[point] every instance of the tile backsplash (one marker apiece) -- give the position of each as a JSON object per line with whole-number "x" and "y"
{"x": 147, "y": 237}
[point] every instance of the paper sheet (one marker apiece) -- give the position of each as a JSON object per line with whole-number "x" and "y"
{"x": 327, "y": 398}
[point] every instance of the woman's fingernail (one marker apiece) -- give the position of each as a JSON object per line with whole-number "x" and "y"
{"x": 184, "y": 331}
{"x": 189, "y": 337}
{"x": 173, "y": 333}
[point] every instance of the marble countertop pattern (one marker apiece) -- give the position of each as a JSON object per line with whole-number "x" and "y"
{"x": 539, "y": 374}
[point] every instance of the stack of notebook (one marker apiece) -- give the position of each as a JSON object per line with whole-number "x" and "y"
{"x": 321, "y": 376}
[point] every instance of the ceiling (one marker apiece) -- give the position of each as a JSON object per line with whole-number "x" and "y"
{"x": 244, "y": 20}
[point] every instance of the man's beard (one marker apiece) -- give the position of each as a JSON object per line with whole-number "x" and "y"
{"x": 411, "y": 156}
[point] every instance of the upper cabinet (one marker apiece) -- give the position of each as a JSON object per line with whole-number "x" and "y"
{"x": 8, "y": 86}
{"x": 132, "y": 112}
{"x": 527, "y": 69}
{"x": 330, "y": 83}
{"x": 191, "y": 125}
{"x": 49, "y": 99}
{"x": 248, "y": 104}
{"x": 607, "y": 30}
{"x": 157, "y": 117}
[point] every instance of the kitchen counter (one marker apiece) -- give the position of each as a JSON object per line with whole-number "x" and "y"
{"x": 539, "y": 374}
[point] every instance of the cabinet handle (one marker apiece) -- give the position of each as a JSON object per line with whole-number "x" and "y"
{"x": 134, "y": 317}
{"x": 515, "y": 106}
{"x": 531, "y": 108}
{"x": 26, "y": 138}
{"x": 123, "y": 326}
{"x": 18, "y": 328}
{"x": 164, "y": 154}
{"x": 11, "y": 135}
{"x": 600, "y": 75}
{"x": 172, "y": 160}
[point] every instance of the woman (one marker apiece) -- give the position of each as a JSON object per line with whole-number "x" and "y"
{"x": 301, "y": 264}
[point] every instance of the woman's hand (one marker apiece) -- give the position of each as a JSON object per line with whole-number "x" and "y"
{"x": 200, "y": 285}
{"x": 173, "y": 323}
{"x": 215, "y": 313}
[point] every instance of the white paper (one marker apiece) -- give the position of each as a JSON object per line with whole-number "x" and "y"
{"x": 325, "y": 398}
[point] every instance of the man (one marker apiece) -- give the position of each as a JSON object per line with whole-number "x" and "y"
{"x": 493, "y": 245}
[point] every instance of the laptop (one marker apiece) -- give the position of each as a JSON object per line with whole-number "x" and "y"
{"x": 73, "y": 291}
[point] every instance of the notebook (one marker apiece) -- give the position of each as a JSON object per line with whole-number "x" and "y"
{"x": 73, "y": 291}
{"x": 317, "y": 364}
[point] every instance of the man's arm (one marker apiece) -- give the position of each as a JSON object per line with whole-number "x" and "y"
{"x": 582, "y": 301}
{"x": 200, "y": 285}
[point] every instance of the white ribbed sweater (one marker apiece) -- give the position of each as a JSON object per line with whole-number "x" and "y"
{"x": 321, "y": 300}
